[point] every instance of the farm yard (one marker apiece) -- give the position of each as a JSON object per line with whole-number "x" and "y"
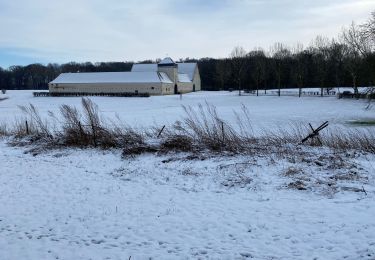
{"x": 294, "y": 202}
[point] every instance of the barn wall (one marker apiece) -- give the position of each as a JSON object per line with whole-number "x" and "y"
{"x": 171, "y": 71}
{"x": 197, "y": 80}
{"x": 185, "y": 87}
{"x": 167, "y": 89}
{"x": 151, "y": 88}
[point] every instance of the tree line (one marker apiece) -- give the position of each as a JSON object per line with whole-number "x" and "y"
{"x": 348, "y": 60}
{"x": 37, "y": 76}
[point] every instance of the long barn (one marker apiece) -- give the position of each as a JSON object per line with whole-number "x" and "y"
{"x": 163, "y": 78}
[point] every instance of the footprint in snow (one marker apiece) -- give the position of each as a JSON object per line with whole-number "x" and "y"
{"x": 97, "y": 241}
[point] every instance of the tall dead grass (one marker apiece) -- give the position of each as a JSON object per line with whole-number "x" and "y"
{"x": 338, "y": 138}
{"x": 87, "y": 128}
{"x": 4, "y": 129}
{"x": 207, "y": 129}
{"x": 199, "y": 129}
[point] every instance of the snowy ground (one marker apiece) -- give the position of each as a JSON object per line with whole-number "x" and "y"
{"x": 265, "y": 111}
{"x": 94, "y": 205}
{"x": 3, "y": 96}
{"x": 91, "y": 204}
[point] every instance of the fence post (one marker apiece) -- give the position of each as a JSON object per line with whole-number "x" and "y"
{"x": 80, "y": 129}
{"x": 222, "y": 131}
{"x": 161, "y": 131}
{"x": 27, "y": 127}
{"x": 94, "y": 135}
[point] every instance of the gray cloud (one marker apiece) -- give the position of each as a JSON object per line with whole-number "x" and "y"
{"x": 93, "y": 30}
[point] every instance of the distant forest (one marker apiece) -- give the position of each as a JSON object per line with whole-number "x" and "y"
{"x": 347, "y": 61}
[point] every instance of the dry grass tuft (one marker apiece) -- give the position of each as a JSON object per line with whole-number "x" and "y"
{"x": 179, "y": 143}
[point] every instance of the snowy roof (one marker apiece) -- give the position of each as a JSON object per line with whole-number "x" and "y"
{"x": 187, "y": 68}
{"x": 183, "y": 78}
{"x": 145, "y": 67}
{"x": 183, "y": 68}
{"x": 163, "y": 77}
{"x": 112, "y": 77}
{"x": 166, "y": 61}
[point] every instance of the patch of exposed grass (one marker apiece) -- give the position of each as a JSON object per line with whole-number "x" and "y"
{"x": 370, "y": 122}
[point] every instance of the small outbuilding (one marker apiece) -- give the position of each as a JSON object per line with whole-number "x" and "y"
{"x": 163, "y": 78}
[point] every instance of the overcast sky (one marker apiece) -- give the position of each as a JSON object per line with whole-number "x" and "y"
{"x": 131, "y": 30}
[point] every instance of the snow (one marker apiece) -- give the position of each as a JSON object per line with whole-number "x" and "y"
{"x": 111, "y": 77}
{"x": 3, "y": 96}
{"x": 93, "y": 204}
{"x": 183, "y": 78}
{"x": 166, "y": 61}
{"x": 187, "y": 68}
{"x": 183, "y": 68}
{"x": 265, "y": 111}
{"x": 164, "y": 77}
{"x": 145, "y": 67}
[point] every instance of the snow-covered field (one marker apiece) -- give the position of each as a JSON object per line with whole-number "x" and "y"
{"x": 93, "y": 204}
{"x": 3, "y": 96}
{"x": 265, "y": 111}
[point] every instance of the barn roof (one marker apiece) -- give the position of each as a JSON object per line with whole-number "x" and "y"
{"x": 145, "y": 67}
{"x": 187, "y": 68}
{"x": 183, "y": 68}
{"x": 112, "y": 77}
{"x": 183, "y": 78}
{"x": 167, "y": 61}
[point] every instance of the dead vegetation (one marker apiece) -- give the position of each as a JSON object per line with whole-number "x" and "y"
{"x": 201, "y": 133}
{"x": 325, "y": 173}
{"x": 201, "y": 129}
{"x": 178, "y": 143}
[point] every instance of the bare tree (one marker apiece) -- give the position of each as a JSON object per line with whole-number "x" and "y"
{"x": 279, "y": 53}
{"x": 238, "y": 58}
{"x": 320, "y": 49}
{"x": 357, "y": 46}
{"x": 299, "y": 70}
{"x": 258, "y": 72}
{"x": 336, "y": 59}
{"x": 368, "y": 30}
{"x": 222, "y": 72}
{"x": 356, "y": 39}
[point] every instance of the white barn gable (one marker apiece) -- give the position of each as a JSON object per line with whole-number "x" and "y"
{"x": 188, "y": 77}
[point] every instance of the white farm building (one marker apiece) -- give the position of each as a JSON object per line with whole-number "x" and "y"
{"x": 163, "y": 78}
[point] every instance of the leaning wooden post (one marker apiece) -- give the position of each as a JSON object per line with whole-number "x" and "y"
{"x": 161, "y": 131}
{"x": 94, "y": 135}
{"x": 80, "y": 129}
{"x": 315, "y": 132}
{"x": 222, "y": 131}
{"x": 27, "y": 127}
